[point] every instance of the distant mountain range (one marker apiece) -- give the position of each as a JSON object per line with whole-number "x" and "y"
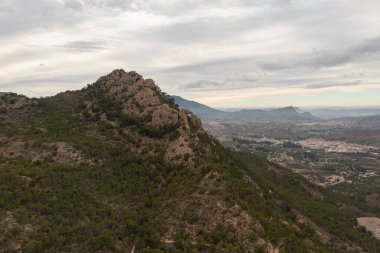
{"x": 333, "y": 113}
{"x": 203, "y": 111}
{"x": 286, "y": 114}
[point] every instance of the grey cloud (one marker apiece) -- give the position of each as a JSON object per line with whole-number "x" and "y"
{"x": 265, "y": 14}
{"x": 6, "y": 11}
{"x": 355, "y": 74}
{"x": 173, "y": 8}
{"x": 274, "y": 64}
{"x": 25, "y": 16}
{"x": 203, "y": 84}
{"x": 239, "y": 36}
{"x": 364, "y": 51}
{"x": 74, "y": 4}
{"x": 369, "y": 48}
{"x": 333, "y": 84}
{"x": 227, "y": 84}
{"x": 243, "y": 78}
{"x": 36, "y": 82}
{"x": 212, "y": 29}
{"x": 212, "y": 65}
{"x": 39, "y": 87}
{"x": 366, "y": 48}
{"x": 84, "y": 46}
{"x": 323, "y": 59}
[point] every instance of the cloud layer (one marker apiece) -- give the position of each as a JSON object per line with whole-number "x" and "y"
{"x": 225, "y": 53}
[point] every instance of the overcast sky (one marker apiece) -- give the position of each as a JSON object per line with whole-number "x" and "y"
{"x": 225, "y": 53}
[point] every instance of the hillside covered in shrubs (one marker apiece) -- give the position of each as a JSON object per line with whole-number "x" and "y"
{"x": 118, "y": 167}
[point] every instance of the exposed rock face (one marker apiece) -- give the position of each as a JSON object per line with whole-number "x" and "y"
{"x": 139, "y": 97}
{"x": 188, "y": 118}
{"x": 142, "y": 98}
{"x": 180, "y": 149}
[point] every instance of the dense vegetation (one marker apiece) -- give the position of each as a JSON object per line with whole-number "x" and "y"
{"x": 119, "y": 197}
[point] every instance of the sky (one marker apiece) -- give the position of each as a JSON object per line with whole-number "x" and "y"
{"x": 224, "y": 53}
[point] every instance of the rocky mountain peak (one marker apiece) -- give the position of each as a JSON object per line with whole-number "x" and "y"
{"x": 143, "y": 99}
{"x": 119, "y": 77}
{"x": 127, "y": 100}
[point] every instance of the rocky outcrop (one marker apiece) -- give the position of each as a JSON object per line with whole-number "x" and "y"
{"x": 151, "y": 111}
{"x": 11, "y": 101}
{"x": 139, "y": 97}
{"x": 142, "y": 98}
{"x": 189, "y": 119}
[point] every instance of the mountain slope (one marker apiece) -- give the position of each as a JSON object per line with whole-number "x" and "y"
{"x": 118, "y": 167}
{"x": 199, "y": 109}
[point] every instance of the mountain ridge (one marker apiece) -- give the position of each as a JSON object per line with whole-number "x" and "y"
{"x": 284, "y": 114}
{"x": 118, "y": 167}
